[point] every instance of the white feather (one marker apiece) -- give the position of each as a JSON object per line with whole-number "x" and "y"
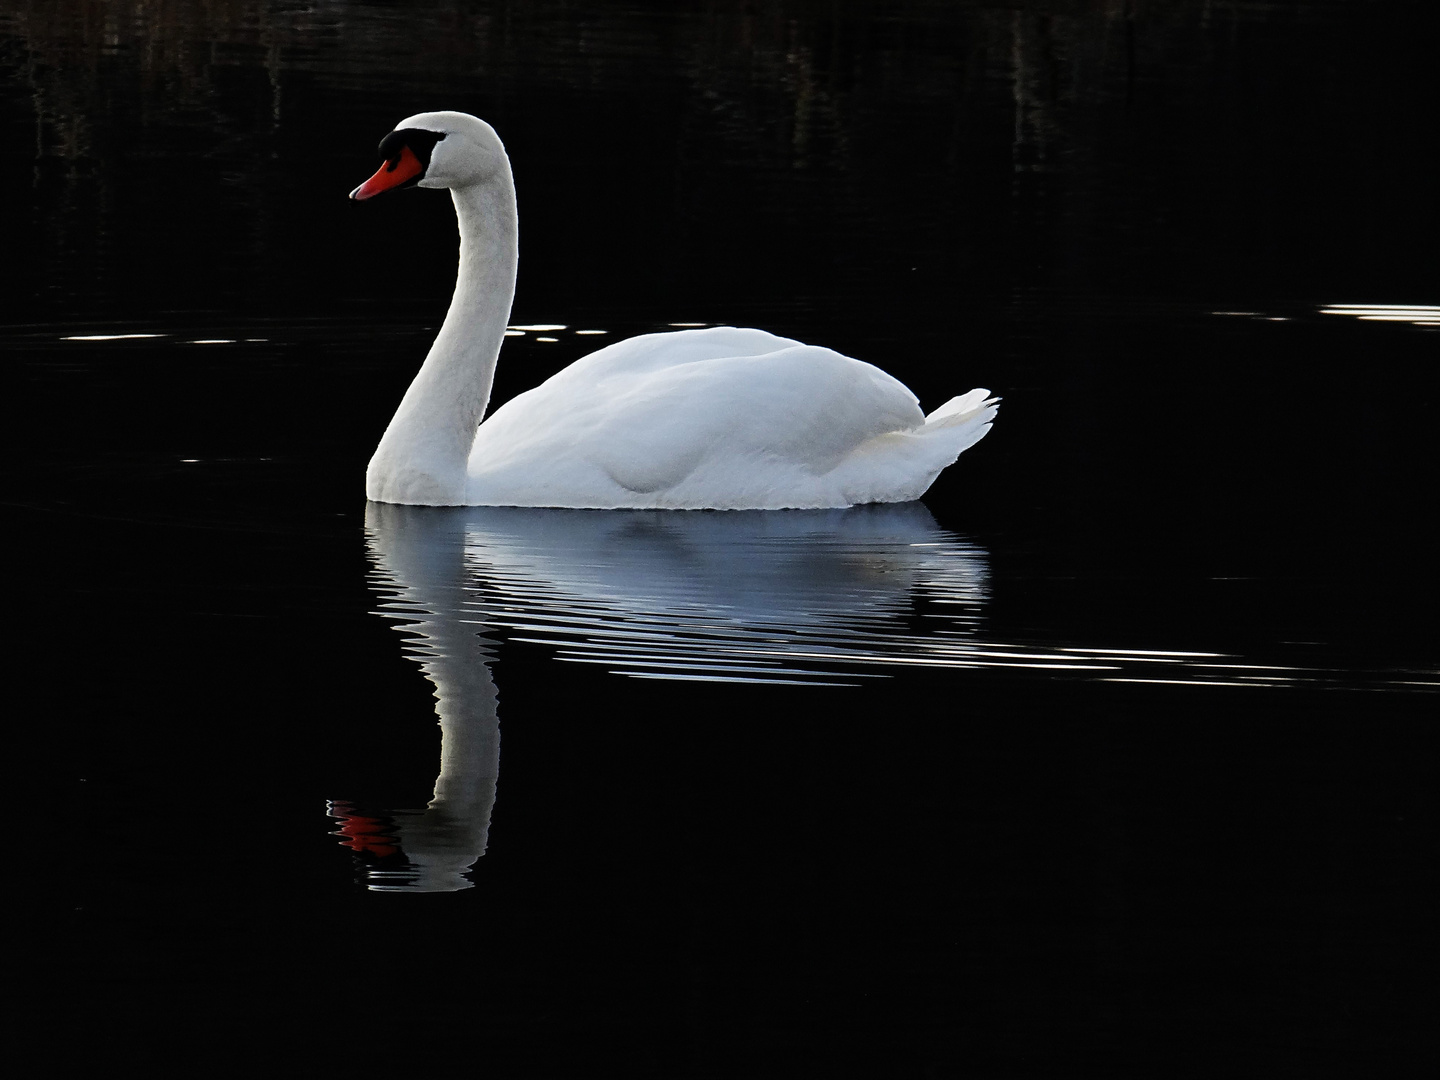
{"x": 719, "y": 418}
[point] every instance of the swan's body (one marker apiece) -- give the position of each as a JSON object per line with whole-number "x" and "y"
{"x": 721, "y": 418}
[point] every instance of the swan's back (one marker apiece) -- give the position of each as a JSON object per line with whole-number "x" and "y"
{"x": 648, "y": 353}
{"x": 717, "y": 418}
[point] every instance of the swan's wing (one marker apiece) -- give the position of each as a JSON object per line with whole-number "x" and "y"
{"x": 643, "y": 420}
{"x": 801, "y": 408}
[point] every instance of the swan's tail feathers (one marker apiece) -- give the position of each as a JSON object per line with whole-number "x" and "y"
{"x": 900, "y": 465}
{"x": 964, "y": 419}
{"x": 976, "y": 405}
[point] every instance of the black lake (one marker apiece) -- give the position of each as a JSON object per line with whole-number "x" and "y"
{"x": 1111, "y": 757}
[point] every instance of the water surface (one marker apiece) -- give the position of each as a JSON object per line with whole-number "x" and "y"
{"x": 1111, "y": 755}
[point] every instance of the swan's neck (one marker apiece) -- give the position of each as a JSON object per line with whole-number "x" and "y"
{"x": 423, "y": 455}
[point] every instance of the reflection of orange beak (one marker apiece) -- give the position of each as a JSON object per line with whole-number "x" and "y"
{"x": 392, "y": 174}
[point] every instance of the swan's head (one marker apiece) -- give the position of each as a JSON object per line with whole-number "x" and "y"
{"x": 437, "y": 150}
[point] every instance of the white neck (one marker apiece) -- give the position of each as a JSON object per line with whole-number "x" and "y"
{"x": 423, "y": 454}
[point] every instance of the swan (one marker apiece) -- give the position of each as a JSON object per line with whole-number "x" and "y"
{"x": 716, "y": 418}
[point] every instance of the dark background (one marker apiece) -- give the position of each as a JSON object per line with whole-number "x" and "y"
{"x": 1041, "y": 878}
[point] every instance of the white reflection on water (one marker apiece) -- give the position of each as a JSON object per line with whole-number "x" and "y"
{"x": 818, "y": 597}
{"x": 420, "y": 569}
{"x": 1415, "y": 314}
{"x": 1419, "y": 314}
{"x": 799, "y": 597}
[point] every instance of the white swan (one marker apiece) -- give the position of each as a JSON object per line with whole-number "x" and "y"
{"x": 721, "y": 418}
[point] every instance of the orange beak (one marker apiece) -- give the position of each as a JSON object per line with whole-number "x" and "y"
{"x": 392, "y": 174}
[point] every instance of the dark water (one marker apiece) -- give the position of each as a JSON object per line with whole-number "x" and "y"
{"x": 1112, "y": 758}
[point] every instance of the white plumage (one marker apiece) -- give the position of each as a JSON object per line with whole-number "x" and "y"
{"x": 719, "y": 418}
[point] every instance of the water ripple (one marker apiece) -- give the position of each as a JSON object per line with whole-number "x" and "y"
{"x": 815, "y": 597}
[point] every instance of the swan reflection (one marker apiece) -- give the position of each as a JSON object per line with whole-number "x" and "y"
{"x": 418, "y": 566}
{"x": 825, "y": 597}
{"x": 800, "y": 596}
